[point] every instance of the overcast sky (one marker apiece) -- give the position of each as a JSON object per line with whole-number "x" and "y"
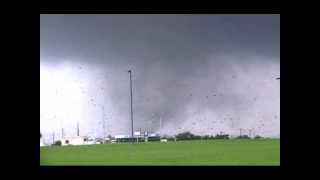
{"x": 198, "y": 73}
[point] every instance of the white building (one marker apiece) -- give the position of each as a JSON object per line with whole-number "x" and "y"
{"x": 90, "y": 141}
{"x": 153, "y": 135}
{"x": 73, "y": 141}
{"x": 121, "y": 136}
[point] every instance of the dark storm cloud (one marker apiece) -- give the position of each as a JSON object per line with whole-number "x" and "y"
{"x": 156, "y": 37}
{"x": 178, "y": 61}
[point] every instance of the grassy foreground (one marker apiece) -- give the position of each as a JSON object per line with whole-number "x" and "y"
{"x": 196, "y": 152}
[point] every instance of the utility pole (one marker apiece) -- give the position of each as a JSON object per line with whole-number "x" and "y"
{"x": 78, "y": 133}
{"x": 139, "y": 134}
{"x": 62, "y": 133}
{"x": 240, "y": 132}
{"x": 53, "y": 138}
{"x": 103, "y": 124}
{"x": 160, "y": 123}
{"x": 131, "y": 103}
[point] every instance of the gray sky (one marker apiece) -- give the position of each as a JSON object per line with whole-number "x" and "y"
{"x": 202, "y": 73}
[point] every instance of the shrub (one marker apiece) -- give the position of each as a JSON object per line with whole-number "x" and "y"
{"x": 196, "y": 137}
{"x": 57, "y": 143}
{"x": 222, "y": 136}
{"x": 155, "y": 138}
{"x": 206, "y": 137}
{"x": 243, "y": 137}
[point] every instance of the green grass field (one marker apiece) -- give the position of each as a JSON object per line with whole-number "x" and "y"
{"x": 205, "y": 152}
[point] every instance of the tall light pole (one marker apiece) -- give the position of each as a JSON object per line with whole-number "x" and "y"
{"x": 131, "y": 103}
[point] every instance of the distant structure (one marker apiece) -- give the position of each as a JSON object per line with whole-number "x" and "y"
{"x": 77, "y": 140}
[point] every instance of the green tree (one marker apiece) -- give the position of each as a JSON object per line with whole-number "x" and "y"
{"x": 184, "y": 135}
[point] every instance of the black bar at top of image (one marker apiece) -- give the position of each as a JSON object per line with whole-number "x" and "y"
{"x": 159, "y": 7}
